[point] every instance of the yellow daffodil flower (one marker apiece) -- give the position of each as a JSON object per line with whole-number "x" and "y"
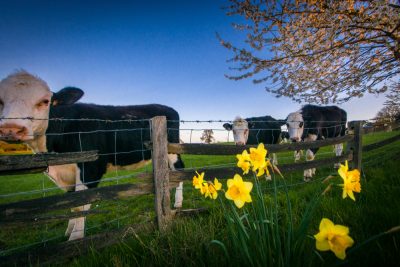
{"x": 198, "y": 180}
{"x": 238, "y": 191}
{"x": 213, "y": 189}
{"x": 204, "y": 189}
{"x": 257, "y": 158}
{"x": 333, "y": 237}
{"x": 244, "y": 161}
{"x": 351, "y": 181}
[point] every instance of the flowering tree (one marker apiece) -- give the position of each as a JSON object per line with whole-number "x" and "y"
{"x": 391, "y": 111}
{"x": 318, "y": 51}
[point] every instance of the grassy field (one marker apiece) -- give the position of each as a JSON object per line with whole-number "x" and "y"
{"x": 188, "y": 242}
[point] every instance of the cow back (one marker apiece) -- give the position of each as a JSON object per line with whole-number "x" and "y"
{"x": 263, "y": 129}
{"x": 329, "y": 121}
{"x": 118, "y": 133}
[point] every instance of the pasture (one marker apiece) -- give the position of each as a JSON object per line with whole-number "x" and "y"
{"x": 188, "y": 241}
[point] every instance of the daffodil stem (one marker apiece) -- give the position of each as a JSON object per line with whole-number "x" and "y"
{"x": 388, "y": 232}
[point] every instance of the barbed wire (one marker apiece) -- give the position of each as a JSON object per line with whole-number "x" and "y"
{"x": 76, "y": 119}
{"x": 149, "y": 119}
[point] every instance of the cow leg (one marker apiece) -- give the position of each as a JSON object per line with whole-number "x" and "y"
{"x": 309, "y": 172}
{"x": 309, "y": 157}
{"x": 274, "y": 159}
{"x": 173, "y": 158}
{"x": 64, "y": 176}
{"x": 78, "y": 230}
{"x": 297, "y": 155}
{"x": 338, "y": 152}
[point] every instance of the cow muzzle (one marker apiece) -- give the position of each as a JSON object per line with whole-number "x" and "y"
{"x": 13, "y": 132}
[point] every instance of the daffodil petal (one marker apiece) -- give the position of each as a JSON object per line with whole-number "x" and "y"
{"x": 351, "y": 195}
{"x": 239, "y": 203}
{"x": 341, "y": 254}
{"x": 248, "y": 186}
{"x": 322, "y": 245}
{"x": 325, "y": 224}
{"x": 341, "y": 230}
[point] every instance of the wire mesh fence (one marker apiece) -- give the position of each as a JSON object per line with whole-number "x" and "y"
{"x": 117, "y": 136}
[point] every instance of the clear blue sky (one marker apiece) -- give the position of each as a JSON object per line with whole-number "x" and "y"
{"x": 139, "y": 52}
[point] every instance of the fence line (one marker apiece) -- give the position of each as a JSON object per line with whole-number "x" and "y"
{"x": 165, "y": 178}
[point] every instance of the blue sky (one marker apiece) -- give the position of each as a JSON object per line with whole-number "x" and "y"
{"x": 139, "y": 52}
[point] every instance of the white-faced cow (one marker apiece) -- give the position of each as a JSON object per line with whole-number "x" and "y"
{"x": 255, "y": 130}
{"x": 28, "y": 112}
{"x": 312, "y": 123}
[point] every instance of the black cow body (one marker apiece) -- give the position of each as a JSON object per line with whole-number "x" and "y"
{"x": 264, "y": 129}
{"x": 324, "y": 122}
{"x": 119, "y": 133}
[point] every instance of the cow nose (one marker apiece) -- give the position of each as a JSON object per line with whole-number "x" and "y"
{"x": 240, "y": 143}
{"x": 294, "y": 139}
{"x": 13, "y": 132}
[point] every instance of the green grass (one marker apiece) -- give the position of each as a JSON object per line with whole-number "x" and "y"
{"x": 188, "y": 242}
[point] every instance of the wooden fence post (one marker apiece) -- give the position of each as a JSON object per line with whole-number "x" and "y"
{"x": 356, "y": 144}
{"x": 161, "y": 171}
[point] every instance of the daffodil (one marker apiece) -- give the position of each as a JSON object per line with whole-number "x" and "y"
{"x": 351, "y": 181}
{"x": 213, "y": 189}
{"x": 198, "y": 180}
{"x": 257, "y": 158}
{"x": 238, "y": 191}
{"x": 265, "y": 170}
{"x": 333, "y": 237}
{"x": 204, "y": 189}
{"x": 244, "y": 161}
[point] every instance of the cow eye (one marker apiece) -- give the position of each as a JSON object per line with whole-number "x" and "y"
{"x": 301, "y": 124}
{"x": 43, "y": 103}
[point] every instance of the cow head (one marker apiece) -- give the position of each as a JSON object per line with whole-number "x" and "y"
{"x": 25, "y": 102}
{"x": 295, "y": 126}
{"x": 240, "y": 129}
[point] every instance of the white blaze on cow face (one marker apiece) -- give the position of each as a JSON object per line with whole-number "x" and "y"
{"x": 240, "y": 129}
{"x": 295, "y": 126}
{"x": 24, "y": 107}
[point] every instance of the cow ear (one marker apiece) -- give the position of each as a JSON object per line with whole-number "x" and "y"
{"x": 66, "y": 96}
{"x": 227, "y": 126}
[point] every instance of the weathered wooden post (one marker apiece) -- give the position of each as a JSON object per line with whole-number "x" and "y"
{"x": 161, "y": 170}
{"x": 356, "y": 144}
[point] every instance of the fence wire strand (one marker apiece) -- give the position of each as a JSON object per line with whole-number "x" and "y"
{"x": 143, "y": 150}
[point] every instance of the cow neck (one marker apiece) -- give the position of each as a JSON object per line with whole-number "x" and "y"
{"x": 38, "y": 144}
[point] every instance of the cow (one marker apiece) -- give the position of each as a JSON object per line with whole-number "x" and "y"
{"x": 47, "y": 122}
{"x": 254, "y": 130}
{"x": 312, "y": 123}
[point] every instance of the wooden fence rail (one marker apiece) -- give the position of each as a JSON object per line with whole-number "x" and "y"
{"x": 215, "y": 149}
{"x": 40, "y": 162}
{"x": 71, "y": 200}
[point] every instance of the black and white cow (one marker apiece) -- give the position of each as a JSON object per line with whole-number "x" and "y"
{"x": 252, "y": 131}
{"x": 27, "y": 113}
{"x": 312, "y": 123}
